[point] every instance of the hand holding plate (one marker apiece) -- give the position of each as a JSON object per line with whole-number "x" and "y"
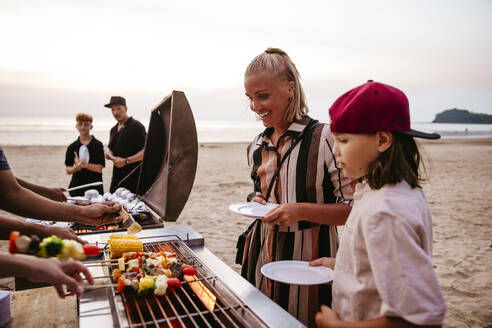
{"x": 284, "y": 215}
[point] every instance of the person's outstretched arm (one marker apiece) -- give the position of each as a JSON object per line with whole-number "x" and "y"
{"x": 51, "y": 271}
{"x": 21, "y": 201}
{"x": 40, "y": 230}
{"x": 55, "y": 194}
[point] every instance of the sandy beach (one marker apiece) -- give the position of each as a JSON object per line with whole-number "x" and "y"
{"x": 459, "y": 193}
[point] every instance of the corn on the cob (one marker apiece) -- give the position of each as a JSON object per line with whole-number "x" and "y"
{"x": 119, "y": 246}
{"x": 120, "y": 236}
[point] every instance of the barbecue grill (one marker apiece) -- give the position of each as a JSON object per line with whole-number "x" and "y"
{"x": 237, "y": 302}
{"x": 168, "y": 168}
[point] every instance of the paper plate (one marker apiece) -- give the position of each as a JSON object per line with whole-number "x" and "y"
{"x": 252, "y": 209}
{"x": 297, "y": 273}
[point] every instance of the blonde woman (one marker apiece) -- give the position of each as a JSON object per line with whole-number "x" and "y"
{"x": 293, "y": 165}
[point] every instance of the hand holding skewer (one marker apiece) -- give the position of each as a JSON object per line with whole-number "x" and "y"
{"x": 60, "y": 273}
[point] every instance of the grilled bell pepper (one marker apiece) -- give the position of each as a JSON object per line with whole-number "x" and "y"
{"x": 121, "y": 284}
{"x": 13, "y": 237}
{"x": 146, "y": 285}
{"x": 52, "y": 245}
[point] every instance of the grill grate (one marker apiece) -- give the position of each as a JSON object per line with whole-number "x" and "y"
{"x": 182, "y": 307}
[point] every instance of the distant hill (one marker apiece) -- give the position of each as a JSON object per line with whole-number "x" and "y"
{"x": 462, "y": 116}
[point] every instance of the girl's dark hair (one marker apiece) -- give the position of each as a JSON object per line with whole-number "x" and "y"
{"x": 399, "y": 162}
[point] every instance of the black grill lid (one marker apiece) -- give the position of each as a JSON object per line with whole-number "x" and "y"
{"x": 170, "y": 157}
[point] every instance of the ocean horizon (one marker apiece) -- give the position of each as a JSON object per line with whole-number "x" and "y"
{"x": 60, "y": 131}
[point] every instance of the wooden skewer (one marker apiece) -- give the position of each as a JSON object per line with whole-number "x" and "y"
{"x": 100, "y": 277}
{"x": 100, "y": 261}
{"x": 92, "y": 287}
{"x": 90, "y": 265}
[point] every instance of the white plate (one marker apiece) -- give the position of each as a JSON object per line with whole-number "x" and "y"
{"x": 252, "y": 209}
{"x": 297, "y": 273}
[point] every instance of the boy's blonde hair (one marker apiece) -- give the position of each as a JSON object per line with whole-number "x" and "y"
{"x": 277, "y": 62}
{"x": 82, "y": 117}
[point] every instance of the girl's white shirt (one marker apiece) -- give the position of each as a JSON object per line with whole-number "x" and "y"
{"x": 384, "y": 263}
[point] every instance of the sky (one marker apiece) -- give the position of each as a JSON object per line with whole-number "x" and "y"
{"x": 63, "y": 57}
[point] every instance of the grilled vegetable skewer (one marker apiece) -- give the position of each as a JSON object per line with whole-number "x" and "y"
{"x": 50, "y": 247}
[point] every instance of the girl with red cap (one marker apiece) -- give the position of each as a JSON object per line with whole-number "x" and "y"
{"x": 292, "y": 165}
{"x": 383, "y": 270}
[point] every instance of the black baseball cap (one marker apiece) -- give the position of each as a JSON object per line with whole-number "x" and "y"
{"x": 116, "y": 100}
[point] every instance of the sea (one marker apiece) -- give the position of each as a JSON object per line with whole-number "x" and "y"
{"x": 59, "y": 131}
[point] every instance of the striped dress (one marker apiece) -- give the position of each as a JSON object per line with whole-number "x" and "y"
{"x": 309, "y": 174}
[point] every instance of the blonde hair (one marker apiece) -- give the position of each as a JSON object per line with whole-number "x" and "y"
{"x": 81, "y": 117}
{"x": 277, "y": 62}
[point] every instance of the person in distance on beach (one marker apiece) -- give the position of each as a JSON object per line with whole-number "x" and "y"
{"x": 85, "y": 170}
{"x": 383, "y": 270}
{"x": 313, "y": 194}
{"x": 126, "y": 146}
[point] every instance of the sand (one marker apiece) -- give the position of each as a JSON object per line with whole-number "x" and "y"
{"x": 459, "y": 193}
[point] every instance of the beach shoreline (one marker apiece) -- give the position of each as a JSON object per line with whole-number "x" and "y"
{"x": 459, "y": 193}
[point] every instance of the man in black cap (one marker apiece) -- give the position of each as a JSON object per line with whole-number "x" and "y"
{"x": 126, "y": 146}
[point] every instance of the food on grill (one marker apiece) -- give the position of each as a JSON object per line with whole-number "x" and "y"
{"x": 188, "y": 270}
{"x": 119, "y": 245}
{"x": 151, "y": 263}
{"x": 50, "y": 247}
{"x": 177, "y": 270}
{"x": 146, "y": 285}
{"x": 147, "y": 272}
{"x": 121, "y": 236}
{"x": 161, "y": 285}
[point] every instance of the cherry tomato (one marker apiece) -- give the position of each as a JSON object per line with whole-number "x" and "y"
{"x": 173, "y": 283}
{"x": 121, "y": 284}
{"x": 189, "y": 270}
{"x": 91, "y": 250}
{"x": 13, "y": 237}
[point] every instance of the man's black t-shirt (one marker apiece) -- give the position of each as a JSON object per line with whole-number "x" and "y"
{"x": 84, "y": 176}
{"x": 124, "y": 143}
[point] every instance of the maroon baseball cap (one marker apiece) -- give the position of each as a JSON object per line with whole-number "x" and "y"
{"x": 374, "y": 107}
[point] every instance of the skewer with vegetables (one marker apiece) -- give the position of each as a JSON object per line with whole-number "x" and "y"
{"x": 50, "y": 247}
{"x": 147, "y": 272}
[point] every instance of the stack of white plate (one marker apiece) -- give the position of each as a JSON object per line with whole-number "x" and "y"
{"x": 5, "y": 314}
